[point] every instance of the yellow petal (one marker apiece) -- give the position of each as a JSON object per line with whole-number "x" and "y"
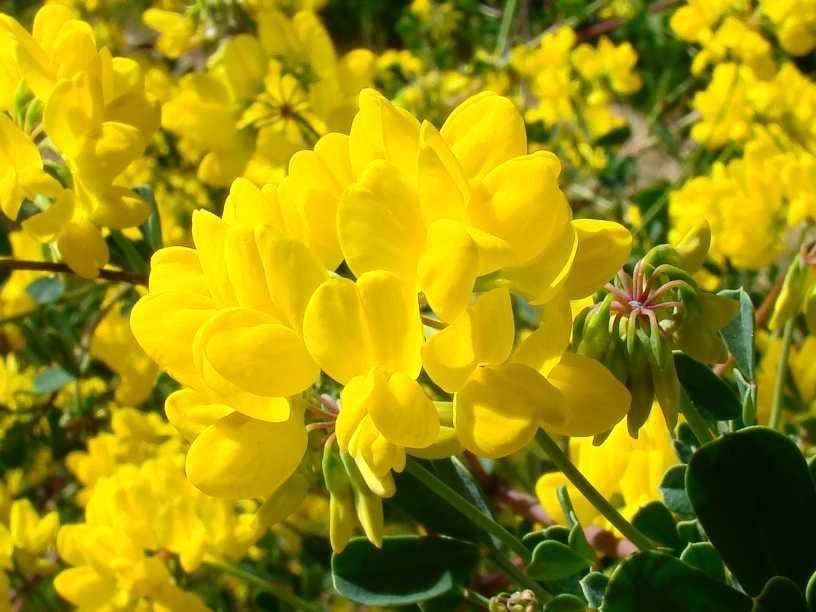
{"x": 82, "y": 247}
{"x": 72, "y": 114}
{"x": 448, "y": 268}
{"x": 179, "y": 269}
{"x": 603, "y": 248}
{"x": 246, "y": 204}
{"x": 246, "y": 270}
{"x": 84, "y": 587}
{"x": 379, "y": 223}
{"x": 593, "y": 399}
{"x": 334, "y": 332}
{"x": 543, "y": 348}
{"x": 209, "y": 234}
{"x": 240, "y": 457}
{"x": 391, "y": 313}
{"x": 401, "y": 411}
{"x": 500, "y": 408}
{"x": 47, "y": 224}
{"x": 191, "y": 412}
{"x": 443, "y": 190}
{"x": 255, "y": 353}
{"x": 520, "y": 202}
{"x": 381, "y": 130}
{"x": 484, "y": 131}
{"x": 351, "y": 328}
{"x": 480, "y": 336}
{"x": 165, "y": 325}
{"x": 544, "y": 277}
{"x": 292, "y": 274}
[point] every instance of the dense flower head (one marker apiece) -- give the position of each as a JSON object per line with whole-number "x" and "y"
{"x": 423, "y": 217}
{"x": 91, "y": 110}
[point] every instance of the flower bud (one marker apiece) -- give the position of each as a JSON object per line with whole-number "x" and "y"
{"x": 284, "y": 501}
{"x": 341, "y": 499}
{"x": 367, "y": 505}
{"x": 790, "y": 299}
{"x": 33, "y": 114}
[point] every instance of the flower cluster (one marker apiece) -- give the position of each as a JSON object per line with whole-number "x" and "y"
{"x": 64, "y": 98}
{"x": 423, "y": 217}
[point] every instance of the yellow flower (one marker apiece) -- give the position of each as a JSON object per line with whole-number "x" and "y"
{"x": 501, "y": 396}
{"x": 439, "y": 208}
{"x": 233, "y": 307}
{"x": 114, "y": 344}
{"x": 29, "y": 531}
{"x": 367, "y": 335}
{"x": 625, "y": 469}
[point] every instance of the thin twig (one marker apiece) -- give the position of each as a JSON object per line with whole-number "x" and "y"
{"x": 61, "y": 268}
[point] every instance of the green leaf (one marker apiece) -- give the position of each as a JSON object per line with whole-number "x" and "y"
{"x": 705, "y": 557}
{"x": 710, "y": 393}
{"x": 52, "y": 379}
{"x": 810, "y": 593}
{"x": 739, "y": 333}
{"x": 151, "y": 228}
{"x": 653, "y": 581}
{"x": 673, "y": 491}
{"x": 412, "y": 499}
{"x": 756, "y": 501}
{"x": 46, "y": 290}
{"x": 614, "y": 137}
{"x": 594, "y": 586}
{"x": 565, "y": 603}
{"x": 656, "y": 522}
{"x": 553, "y": 560}
{"x": 689, "y": 531}
{"x": 780, "y": 594}
{"x": 577, "y": 542}
{"x": 407, "y": 570}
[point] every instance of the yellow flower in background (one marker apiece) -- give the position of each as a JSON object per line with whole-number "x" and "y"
{"x": 113, "y": 343}
{"x": 265, "y": 97}
{"x": 95, "y": 112}
{"x": 623, "y": 468}
{"x": 178, "y": 33}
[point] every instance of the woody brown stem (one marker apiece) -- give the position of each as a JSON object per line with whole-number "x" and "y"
{"x": 61, "y": 268}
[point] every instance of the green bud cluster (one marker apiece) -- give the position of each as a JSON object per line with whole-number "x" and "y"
{"x": 643, "y": 317}
{"x": 350, "y": 500}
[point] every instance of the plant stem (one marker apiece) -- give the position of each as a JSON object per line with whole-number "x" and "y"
{"x": 696, "y": 421}
{"x": 519, "y": 577}
{"x": 468, "y": 510}
{"x": 264, "y": 585}
{"x": 781, "y": 375}
{"x": 51, "y": 266}
{"x": 477, "y": 599}
{"x": 504, "y": 27}
{"x": 592, "y": 495}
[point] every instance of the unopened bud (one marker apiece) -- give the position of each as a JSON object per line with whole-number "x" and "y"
{"x": 790, "y": 299}
{"x": 367, "y": 505}
{"x": 284, "y": 501}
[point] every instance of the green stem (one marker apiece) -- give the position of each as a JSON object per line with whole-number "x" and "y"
{"x": 519, "y": 577}
{"x": 696, "y": 421}
{"x": 477, "y": 599}
{"x": 574, "y": 475}
{"x": 483, "y": 522}
{"x": 504, "y": 27}
{"x": 264, "y": 585}
{"x": 781, "y": 375}
{"x": 468, "y": 510}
